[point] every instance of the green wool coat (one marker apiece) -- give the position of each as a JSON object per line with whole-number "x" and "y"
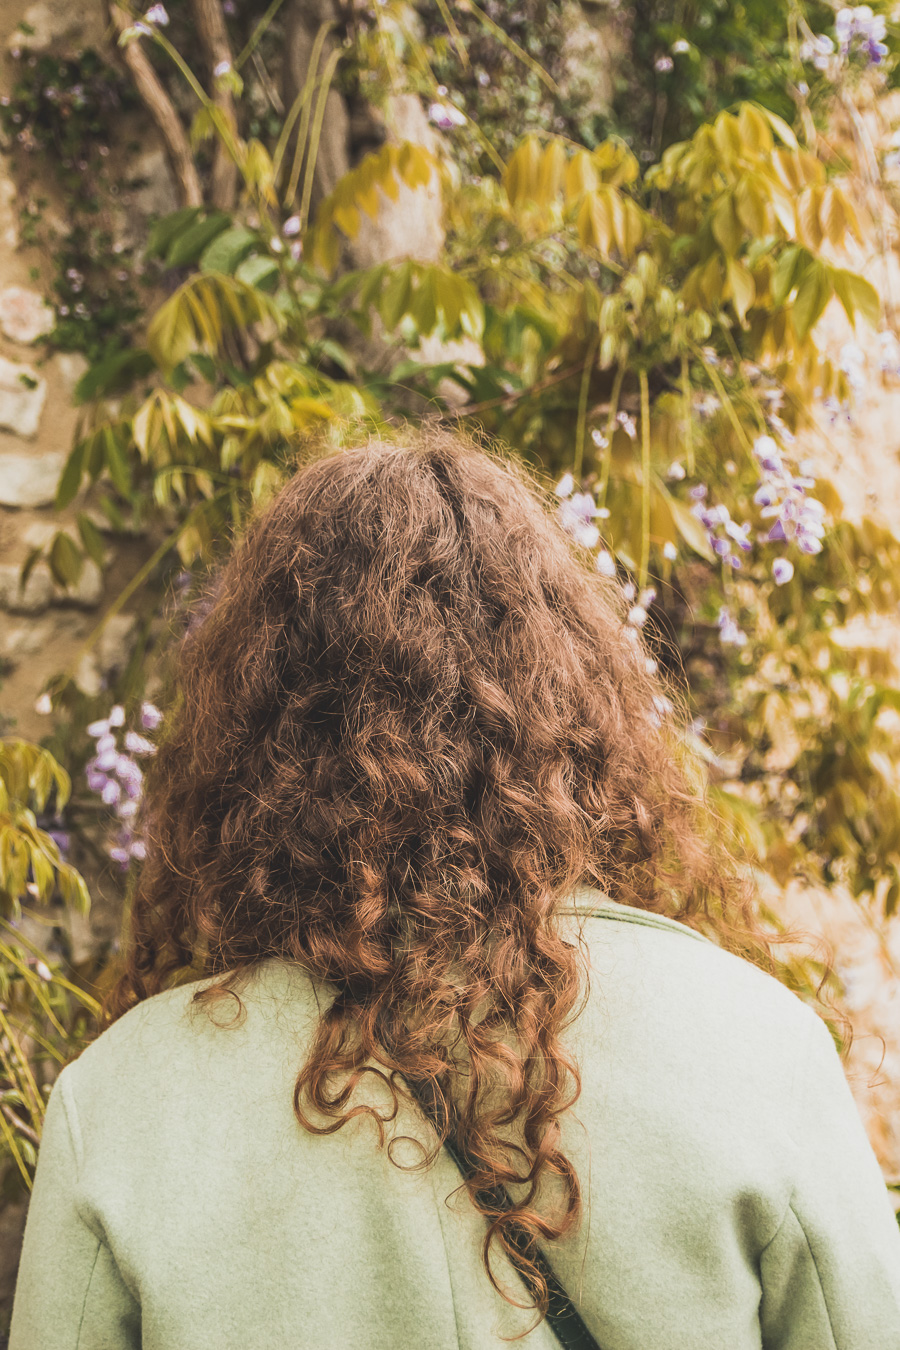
{"x": 732, "y": 1200}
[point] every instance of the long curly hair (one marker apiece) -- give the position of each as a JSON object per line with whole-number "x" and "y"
{"x": 411, "y": 721}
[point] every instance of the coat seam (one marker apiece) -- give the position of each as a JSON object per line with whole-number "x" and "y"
{"x": 87, "y": 1291}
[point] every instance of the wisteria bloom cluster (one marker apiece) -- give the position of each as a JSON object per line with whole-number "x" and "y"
{"x": 725, "y": 535}
{"x": 857, "y": 32}
{"x": 782, "y": 496}
{"x": 116, "y": 776}
{"x": 578, "y": 511}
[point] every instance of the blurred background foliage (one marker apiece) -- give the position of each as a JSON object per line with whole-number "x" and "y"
{"x": 628, "y": 295}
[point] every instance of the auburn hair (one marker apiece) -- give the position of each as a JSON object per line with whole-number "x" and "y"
{"x": 411, "y": 720}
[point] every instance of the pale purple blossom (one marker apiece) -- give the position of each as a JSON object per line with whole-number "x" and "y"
{"x": 725, "y": 535}
{"x": 782, "y": 497}
{"x": 818, "y": 49}
{"x": 445, "y": 116}
{"x": 291, "y": 227}
{"x": 150, "y": 716}
{"x": 730, "y": 635}
{"x": 663, "y": 64}
{"x": 116, "y": 776}
{"x": 782, "y": 571}
{"x": 858, "y": 28}
{"x": 157, "y": 15}
{"x": 576, "y": 515}
{"x": 138, "y": 745}
{"x": 605, "y": 563}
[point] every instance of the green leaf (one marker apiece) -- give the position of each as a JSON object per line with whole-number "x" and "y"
{"x": 779, "y": 126}
{"x": 113, "y": 374}
{"x": 857, "y": 295}
{"x": 66, "y": 559}
{"x": 92, "y": 539}
{"x": 168, "y": 228}
{"x": 786, "y": 273}
{"x": 813, "y": 294}
{"x": 188, "y": 245}
{"x": 690, "y": 529}
{"x": 259, "y": 272}
{"x": 70, "y": 479}
{"x": 228, "y": 249}
{"x": 116, "y": 463}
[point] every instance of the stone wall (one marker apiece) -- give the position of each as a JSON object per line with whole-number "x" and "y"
{"x": 42, "y": 628}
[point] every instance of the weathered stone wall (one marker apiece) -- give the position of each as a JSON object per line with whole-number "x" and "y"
{"x": 42, "y": 628}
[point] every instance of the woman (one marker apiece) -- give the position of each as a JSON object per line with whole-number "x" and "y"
{"x": 420, "y": 827}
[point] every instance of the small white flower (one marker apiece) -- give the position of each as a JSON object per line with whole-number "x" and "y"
{"x": 663, "y": 64}
{"x": 599, "y": 439}
{"x": 291, "y": 227}
{"x": 681, "y": 46}
{"x": 275, "y": 244}
{"x": 782, "y": 571}
{"x": 117, "y": 716}
{"x": 42, "y": 970}
{"x": 629, "y": 590}
{"x": 565, "y": 485}
{"x": 675, "y": 472}
{"x": 670, "y": 551}
{"x": 605, "y": 563}
{"x": 637, "y": 616}
{"x": 44, "y": 705}
{"x": 221, "y": 69}
{"x": 156, "y": 14}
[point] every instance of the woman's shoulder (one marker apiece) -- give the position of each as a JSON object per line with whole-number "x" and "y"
{"x": 173, "y": 1030}
{"x": 686, "y": 977}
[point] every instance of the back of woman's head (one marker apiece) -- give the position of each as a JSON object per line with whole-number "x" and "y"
{"x": 412, "y": 720}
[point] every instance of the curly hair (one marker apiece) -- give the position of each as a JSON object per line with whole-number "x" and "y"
{"x": 412, "y": 720}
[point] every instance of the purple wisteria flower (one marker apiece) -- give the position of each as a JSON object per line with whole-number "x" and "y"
{"x": 577, "y": 512}
{"x": 859, "y": 29}
{"x": 730, "y": 635}
{"x": 724, "y": 534}
{"x": 115, "y": 775}
{"x": 782, "y": 496}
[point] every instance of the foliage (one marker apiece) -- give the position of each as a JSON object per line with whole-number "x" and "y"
{"x": 59, "y": 115}
{"x": 43, "y": 1015}
{"x": 651, "y": 332}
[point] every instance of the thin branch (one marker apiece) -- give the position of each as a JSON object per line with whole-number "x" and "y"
{"x": 213, "y": 35}
{"x": 18, "y": 1124}
{"x": 161, "y": 109}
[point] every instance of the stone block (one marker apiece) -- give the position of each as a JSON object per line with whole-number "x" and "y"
{"x": 22, "y": 395}
{"x": 33, "y": 598}
{"x": 30, "y": 480}
{"x": 25, "y": 315}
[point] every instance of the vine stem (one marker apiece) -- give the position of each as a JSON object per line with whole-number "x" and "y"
{"x": 582, "y": 410}
{"x": 610, "y": 431}
{"x": 645, "y": 477}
